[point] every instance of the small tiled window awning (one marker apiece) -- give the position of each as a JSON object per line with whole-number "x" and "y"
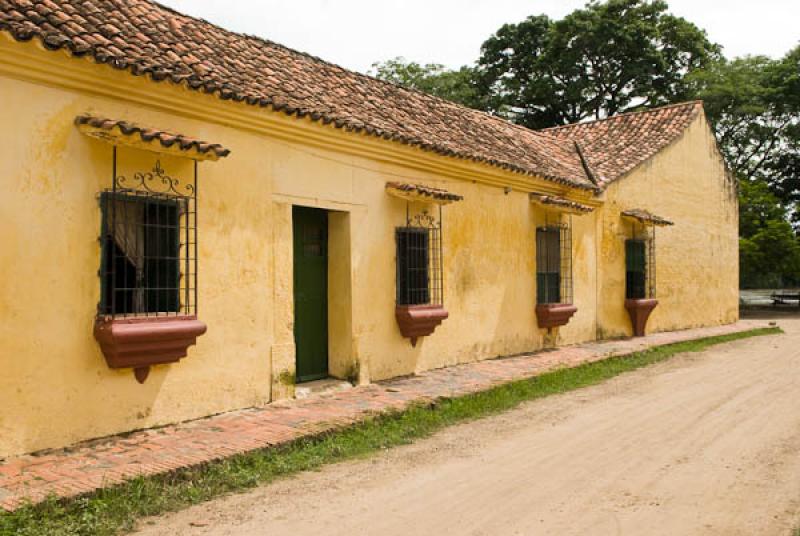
{"x": 425, "y": 194}
{"x": 646, "y": 217}
{"x": 119, "y": 132}
{"x": 560, "y": 204}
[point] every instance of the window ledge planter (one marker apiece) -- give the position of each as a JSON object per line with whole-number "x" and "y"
{"x": 639, "y": 311}
{"x": 419, "y": 320}
{"x": 139, "y": 343}
{"x": 553, "y": 315}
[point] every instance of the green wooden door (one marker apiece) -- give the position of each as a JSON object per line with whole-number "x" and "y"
{"x": 310, "y": 227}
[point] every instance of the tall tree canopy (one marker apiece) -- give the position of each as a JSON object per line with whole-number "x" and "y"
{"x": 598, "y": 61}
{"x": 604, "y": 59}
{"x": 782, "y": 168}
{"x": 433, "y": 78}
{"x": 754, "y": 106}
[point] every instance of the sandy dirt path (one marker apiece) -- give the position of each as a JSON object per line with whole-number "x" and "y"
{"x": 703, "y": 444}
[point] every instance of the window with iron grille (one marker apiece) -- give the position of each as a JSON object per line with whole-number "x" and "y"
{"x": 554, "y": 264}
{"x": 149, "y": 247}
{"x": 419, "y": 262}
{"x": 639, "y": 269}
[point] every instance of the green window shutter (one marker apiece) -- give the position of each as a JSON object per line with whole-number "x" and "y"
{"x": 635, "y": 269}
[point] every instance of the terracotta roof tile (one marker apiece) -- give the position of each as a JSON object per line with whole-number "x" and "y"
{"x": 164, "y": 138}
{"x": 561, "y": 203}
{"x": 147, "y": 38}
{"x": 423, "y": 192}
{"x": 612, "y": 147}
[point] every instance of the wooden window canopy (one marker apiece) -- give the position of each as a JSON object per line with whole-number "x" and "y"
{"x": 117, "y": 132}
{"x": 645, "y": 217}
{"x": 424, "y": 194}
{"x": 560, "y": 204}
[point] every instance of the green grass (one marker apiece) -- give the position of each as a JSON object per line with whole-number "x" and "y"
{"x": 117, "y": 509}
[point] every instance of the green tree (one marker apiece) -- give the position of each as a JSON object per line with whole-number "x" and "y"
{"x": 754, "y": 106}
{"x": 751, "y": 107}
{"x": 782, "y": 166}
{"x": 604, "y": 59}
{"x": 769, "y": 251}
{"x": 757, "y": 206}
{"x": 770, "y": 258}
{"x": 432, "y": 78}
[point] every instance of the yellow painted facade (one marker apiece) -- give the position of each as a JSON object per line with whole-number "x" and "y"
{"x": 56, "y": 388}
{"x": 697, "y": 259}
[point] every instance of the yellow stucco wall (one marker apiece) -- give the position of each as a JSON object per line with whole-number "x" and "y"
{"x": 697, "y": 258}
{"x": 56, "y": 388}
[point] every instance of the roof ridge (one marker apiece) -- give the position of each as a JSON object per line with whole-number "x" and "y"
{"x": 251, "y": 36}
{"x": 614, "y": 148}
{"x": 682, "y": 104}
{"x": 319, "y": 59}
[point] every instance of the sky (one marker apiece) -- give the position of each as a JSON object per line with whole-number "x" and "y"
{"x": 358, "y": 33}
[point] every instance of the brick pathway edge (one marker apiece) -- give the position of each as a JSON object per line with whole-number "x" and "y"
{"x": 89, "y": 466}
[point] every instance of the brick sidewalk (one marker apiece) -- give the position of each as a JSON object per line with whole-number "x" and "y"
{"x": 82, "y": 469}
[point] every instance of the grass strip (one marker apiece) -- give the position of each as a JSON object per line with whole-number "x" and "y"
{"x": 117, "y": 509}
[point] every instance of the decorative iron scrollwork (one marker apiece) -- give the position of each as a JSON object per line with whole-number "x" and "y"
{"x": 423, "y": 219}
{"x": 155, "y": 181}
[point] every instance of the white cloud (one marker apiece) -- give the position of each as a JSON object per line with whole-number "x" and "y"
{"x": 356, "y": 33}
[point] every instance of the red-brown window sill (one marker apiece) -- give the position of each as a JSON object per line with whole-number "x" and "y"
{"x": 140, "y": 342}
{"x": 639, "y": 310}
{"x": 553, "y": 315}
{"x": 419, "y": 320}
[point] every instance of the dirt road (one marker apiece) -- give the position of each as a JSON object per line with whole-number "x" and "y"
{"x": 704, "y": 444}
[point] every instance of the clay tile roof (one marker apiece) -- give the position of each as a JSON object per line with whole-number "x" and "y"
{"x": 420, "y": 192}
{"x": 146, "y": 38}
{"x": 163, "y": 138}
{"x": 646, "y": 217}
{"x": 610, "y": 148}
{"x": 561, "y": 203}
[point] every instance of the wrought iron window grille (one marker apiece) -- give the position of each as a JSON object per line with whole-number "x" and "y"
{"x": 149, "y": 245}
{"x": 554, "y": 263}
{"x": 640, "y": 264}
{"x": 419, "y": 259}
